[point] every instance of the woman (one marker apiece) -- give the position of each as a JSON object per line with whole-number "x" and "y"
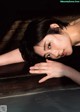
{"x": 51, "y": 39}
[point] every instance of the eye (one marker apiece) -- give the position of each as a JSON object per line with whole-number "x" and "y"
{"x": 48, "y": 56}
{"x": 49, "y": 46}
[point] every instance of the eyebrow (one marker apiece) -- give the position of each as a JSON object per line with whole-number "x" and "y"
{"x": 44, "y": 46}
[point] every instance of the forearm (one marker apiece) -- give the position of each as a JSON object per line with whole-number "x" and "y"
{"x": 72, "y": 74}
{"x": 13, "y": 56}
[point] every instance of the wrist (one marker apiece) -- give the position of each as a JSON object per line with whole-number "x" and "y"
{"x": 69, "y": 71}
{"x": 65, "y": 70}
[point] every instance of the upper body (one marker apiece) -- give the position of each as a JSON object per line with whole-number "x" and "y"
{"x": 59, "y": 45}
{"x": 47, "y": 39}
{"x": 55, "y": 46}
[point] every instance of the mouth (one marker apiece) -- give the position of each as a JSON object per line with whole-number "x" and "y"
{"x": 63, "y": 54}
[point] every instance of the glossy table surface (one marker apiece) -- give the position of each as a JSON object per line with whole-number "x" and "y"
{"x": 44, "y": 101}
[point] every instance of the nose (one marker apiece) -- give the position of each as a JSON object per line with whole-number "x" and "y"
{"x": 55, "y": 53}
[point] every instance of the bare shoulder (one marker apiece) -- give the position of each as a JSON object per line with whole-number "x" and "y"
{"x": 75, "y": 21}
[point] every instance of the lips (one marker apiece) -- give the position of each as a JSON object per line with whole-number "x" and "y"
{"x": 63, "y": 54}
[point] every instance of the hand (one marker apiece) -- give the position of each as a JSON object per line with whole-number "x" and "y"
{"x": 51, "y": 68}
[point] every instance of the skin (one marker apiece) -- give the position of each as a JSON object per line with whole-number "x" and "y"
{"x": 59, "y": 45}
{"x": 59, "y": 70}
{"x": 56, "y": 46}
{"x": 11, "y": 57}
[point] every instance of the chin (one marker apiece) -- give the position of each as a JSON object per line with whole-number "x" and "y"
{"x": 70, "y": 52}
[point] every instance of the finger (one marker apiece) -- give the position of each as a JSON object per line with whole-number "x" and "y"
{"x": 38, "y": 71}
{"x": 41, "y": 64}
{"x": 47, "y": 60}
{"x": 44, "y": 79}
{"x": 36, "y": 68}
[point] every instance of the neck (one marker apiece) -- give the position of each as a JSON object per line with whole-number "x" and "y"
{"x": 73, "y": 33}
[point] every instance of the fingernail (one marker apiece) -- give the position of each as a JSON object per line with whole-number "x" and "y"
{"x": 31, "y": 67}
{"x": 39, "y": 81}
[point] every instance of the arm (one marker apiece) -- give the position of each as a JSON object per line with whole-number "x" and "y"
{"x": 72, "y": 74}
{"x": 13, "y": 56}
{"x": 55, "y": 69}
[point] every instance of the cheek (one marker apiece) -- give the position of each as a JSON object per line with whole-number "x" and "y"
{"x": 63, "y": 43}
{"x": 59, "y": 44}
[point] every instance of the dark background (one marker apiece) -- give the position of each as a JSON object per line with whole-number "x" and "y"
{"x": 11, "y": 10}
{"x": 30, "y": 8}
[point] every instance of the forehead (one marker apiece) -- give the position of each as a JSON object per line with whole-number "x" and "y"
{"x": 47, "y": 38}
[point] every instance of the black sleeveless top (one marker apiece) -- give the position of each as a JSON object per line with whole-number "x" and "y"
{"x": 72, "y": 60}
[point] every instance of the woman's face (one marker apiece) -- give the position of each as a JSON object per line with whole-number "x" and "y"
{"x": 54, "y": 46}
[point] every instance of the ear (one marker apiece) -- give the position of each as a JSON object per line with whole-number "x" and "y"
{"x": 54, "y": 25}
